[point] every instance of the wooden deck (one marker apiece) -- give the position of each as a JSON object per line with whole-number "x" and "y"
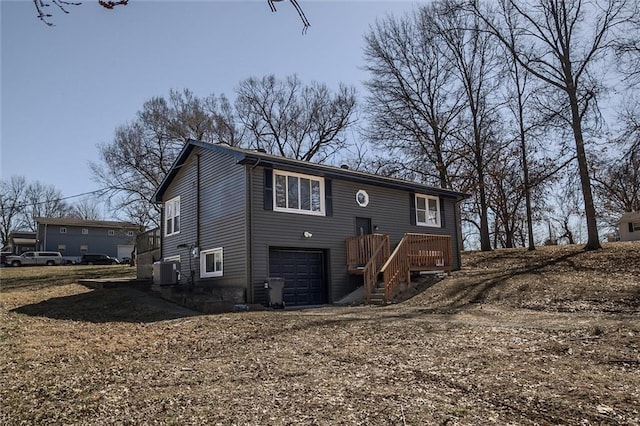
{"x": 368, "y": 255}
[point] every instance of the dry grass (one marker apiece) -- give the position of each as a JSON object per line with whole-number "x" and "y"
{"x": 550, "y": 337}
{"x": 33, "y": 277}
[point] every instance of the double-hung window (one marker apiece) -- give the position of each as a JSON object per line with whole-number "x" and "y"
{"x": 172, "y": 216}
{"x": 211, "y": 263}
{"x": 427, "y": 210}
{"x": 298, "y": 193}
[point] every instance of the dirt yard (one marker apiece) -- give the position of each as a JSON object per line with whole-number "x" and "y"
{"x": 516, "y": 337}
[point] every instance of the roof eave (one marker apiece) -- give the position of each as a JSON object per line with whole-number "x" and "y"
{"x": 350, "y": 175}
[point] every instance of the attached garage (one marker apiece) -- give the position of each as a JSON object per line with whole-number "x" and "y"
{"x": 303, "y": 272}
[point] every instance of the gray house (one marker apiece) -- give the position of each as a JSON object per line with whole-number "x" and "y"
{"x": 232, "y": 218}
{"x": 75, "y": 237}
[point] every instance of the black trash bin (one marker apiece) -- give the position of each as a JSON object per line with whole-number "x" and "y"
{"x": 275, "y": 287}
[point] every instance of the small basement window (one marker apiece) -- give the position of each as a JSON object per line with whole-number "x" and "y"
{"x": 211, "y": 263}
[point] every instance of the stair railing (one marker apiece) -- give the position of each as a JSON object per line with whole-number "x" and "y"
{"x": 419, "y": 252}
{"x": 396, "y": 268}
{"x": 371, "y": 269}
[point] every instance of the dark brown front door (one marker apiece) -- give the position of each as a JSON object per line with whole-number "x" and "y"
{"x": 363, "y": 225}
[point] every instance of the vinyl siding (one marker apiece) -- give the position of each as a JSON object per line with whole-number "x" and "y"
{"x": 97, "y": 240}
{"x": 389, "y": 210}
{"x": 222, "y": 216}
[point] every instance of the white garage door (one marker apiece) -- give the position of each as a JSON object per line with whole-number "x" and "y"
{"x": 124, "y": 251}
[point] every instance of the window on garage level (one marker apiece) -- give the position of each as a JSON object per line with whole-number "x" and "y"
{"x": 211, "y": 263}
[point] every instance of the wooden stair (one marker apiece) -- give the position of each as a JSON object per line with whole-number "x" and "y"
{"x": 385, "y": 273}
{"x": 377, "y": 296}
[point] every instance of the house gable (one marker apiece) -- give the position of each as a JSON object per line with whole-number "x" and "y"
{"x": 211, "y": 188}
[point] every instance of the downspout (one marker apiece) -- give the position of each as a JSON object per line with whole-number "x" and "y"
{"x": 458, "y": 232}
{"x": 249, "y": 233}
{"x": 162, "y": 223}
{"x": 197, "y": 244}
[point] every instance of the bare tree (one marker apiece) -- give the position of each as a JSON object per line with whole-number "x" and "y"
{"x": 617, "y": 185}
{"x": 41, "y": 200}
{"x": 62, "y": 5}
{"x": 565, "y": 210}
{"x": 11, "y": 205}
{"x": 288, "y": 118}
{"x": 519, "y": 92}
{"x": 414, "y": 99}
{"x": 135, "y": 162}
{"x": 88, "y": 209}
{"x": 559, "y": 43}
{"x": 475, "y": 58}
{"x": 627, "y": 45}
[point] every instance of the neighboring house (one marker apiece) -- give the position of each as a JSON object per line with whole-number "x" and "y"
{"x": 232, "y": 218}
{"x": 75, "y": 237}
{"x": 20, "y": 241}
{"x": 629, "y": 226}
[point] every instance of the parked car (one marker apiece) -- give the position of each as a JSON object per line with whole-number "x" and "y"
{"x": 98, "y": 259}
{"x": 48, "y": 258}
{"x": 3, "y": 257}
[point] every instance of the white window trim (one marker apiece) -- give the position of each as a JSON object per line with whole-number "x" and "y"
{"x": 63, "y": 230}
{"x": 635, "y": 226}
{"x": 299, "y": 211}
{"x": 85, "y": 231}
{"x": 175, "y": 258}
{"x": 130, "y": 234}
{"x": 203, "y": 263}
{"x": 111, "y": 232}
{"x": 439, "y": 214}
{"x": 174, "y": 201}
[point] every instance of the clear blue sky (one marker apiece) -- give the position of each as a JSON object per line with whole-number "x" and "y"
{"x": 66, "y": 88}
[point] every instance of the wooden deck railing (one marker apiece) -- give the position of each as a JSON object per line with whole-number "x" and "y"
{"x": 366, "y": 254}
{"x": 361, "y": 248}
{"x": 415, "y": 252}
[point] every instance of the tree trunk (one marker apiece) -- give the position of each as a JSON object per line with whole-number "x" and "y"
{"x": 593, "y": 240}
{"x": 525, "y": 171}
